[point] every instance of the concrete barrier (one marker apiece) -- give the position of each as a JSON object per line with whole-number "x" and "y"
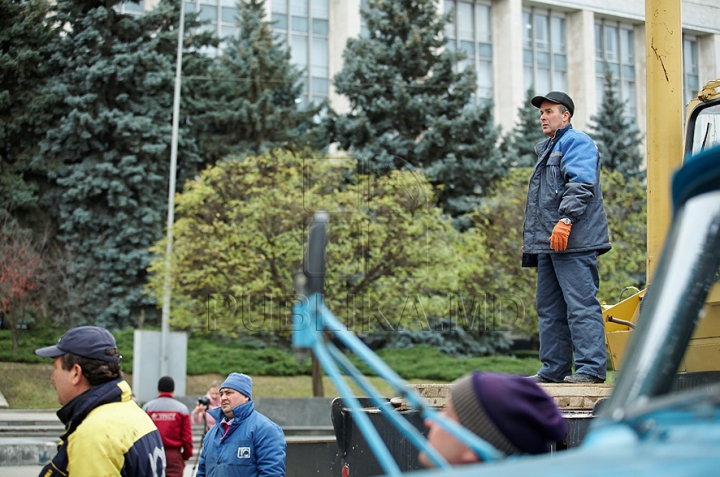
{"x": 29, "y": 437}
{"x": 26, "y": 450}
{"x": 287, "y": 412}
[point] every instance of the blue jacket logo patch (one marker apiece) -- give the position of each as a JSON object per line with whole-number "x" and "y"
{"x": 243, "y": 453}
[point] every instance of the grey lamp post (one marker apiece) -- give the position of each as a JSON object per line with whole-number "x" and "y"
{"x": 165, "y": 330}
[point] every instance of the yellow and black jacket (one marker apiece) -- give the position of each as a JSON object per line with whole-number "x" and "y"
{"x": 107, "y": 434}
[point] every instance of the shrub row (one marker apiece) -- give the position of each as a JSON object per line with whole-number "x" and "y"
{"x": 207, "y": 354}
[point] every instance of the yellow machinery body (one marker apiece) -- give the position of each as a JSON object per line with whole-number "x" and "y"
{"x": 703, "y": 353}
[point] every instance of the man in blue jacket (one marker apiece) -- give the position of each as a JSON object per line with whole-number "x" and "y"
{"x": 565, "y": 230}
{"x": 243, "y": 442}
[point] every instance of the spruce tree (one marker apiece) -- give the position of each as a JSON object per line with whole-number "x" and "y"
{"x": 196, "y": 64}
{"x": 252, "y": 95}
{"x": 467, "y": 168}
{"x": 23, "y": 105}
{"x": 111, "y": 143}
{"x": 616, "y": 135}
{"x": 409, "y": 107}
{"x": 525, "y": 135}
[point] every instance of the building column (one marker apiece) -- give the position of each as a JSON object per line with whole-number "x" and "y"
{"x": 641, "y": 88}
{"x": 708, "y": 58}
{"x": 508, "y": 84}
{"x": 581, "y": 66}
{"x": 344, "y": 24}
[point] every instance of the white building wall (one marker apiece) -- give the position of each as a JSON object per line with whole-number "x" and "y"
{"x": 701, "y": 15}
{"x": 709, "y": 58}
{"x": 508, "y": 91}
{"x": 641, "y": 85}
{"x": 344, "y": 24}
{"x": 581, "y": 66}
{"x": 701, "y": 18}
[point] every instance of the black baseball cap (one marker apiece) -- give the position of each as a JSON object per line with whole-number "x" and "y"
{"x": 86, "y": 341}
{"x": 555, "y": 97}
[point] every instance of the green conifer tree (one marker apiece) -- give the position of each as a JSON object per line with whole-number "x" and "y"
{"x": 616, "y": 135}
{"x": 23, "y": 105}
{"x": 525, "y": 135}
{"x": 111, "y": 143}
{"x": 253, "y": 91}
{"x": 409, "y": 107}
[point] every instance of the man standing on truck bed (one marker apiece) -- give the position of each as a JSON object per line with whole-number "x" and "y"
{"x": 565, "y": 230}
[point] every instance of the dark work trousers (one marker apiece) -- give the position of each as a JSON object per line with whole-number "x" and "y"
{"x": 570, "y": 315}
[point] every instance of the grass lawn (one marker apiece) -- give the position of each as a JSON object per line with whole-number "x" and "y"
{"x": 25, "y": 377}
{"x": 28, "y": 386}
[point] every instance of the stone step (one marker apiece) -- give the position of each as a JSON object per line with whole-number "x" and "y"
{"x": 568, "y": 397}
{"x": 31, "y": 431}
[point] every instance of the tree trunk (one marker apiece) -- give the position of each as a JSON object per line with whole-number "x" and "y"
{"x": 14, "y": 331}
{"x": 317, "y": 383}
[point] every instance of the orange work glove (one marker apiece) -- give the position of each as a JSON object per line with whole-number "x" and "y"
{"x": 559, "y": 237}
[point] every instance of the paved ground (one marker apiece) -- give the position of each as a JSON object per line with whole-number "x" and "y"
{"x": 34, "y": 470}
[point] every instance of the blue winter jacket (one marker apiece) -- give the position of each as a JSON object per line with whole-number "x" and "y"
{"x": 253, "y": 446}
{"x": 566, "y": 184}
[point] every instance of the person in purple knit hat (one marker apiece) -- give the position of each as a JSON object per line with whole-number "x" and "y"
{"x": 512, "y": 413}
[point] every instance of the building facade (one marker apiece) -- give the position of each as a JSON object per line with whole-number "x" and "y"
{"x": 512, "y": 44}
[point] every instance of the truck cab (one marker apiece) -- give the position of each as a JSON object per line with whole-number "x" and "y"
{"x": 703, "y": 120}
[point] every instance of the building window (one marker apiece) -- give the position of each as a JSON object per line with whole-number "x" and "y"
{"x": 364, "y": 7}
{"x": 304, "y": 26}
{"x": 222, "y": 16}
{"x": 544, "y": 51}
{"x": 691, "y": 81}
{"x": 615, "y": 50}
{"x": 135, "y": 8}
{"x": 469, "y": 30}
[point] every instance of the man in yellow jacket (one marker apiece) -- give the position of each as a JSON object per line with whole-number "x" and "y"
{"x": 106, "y": 433}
